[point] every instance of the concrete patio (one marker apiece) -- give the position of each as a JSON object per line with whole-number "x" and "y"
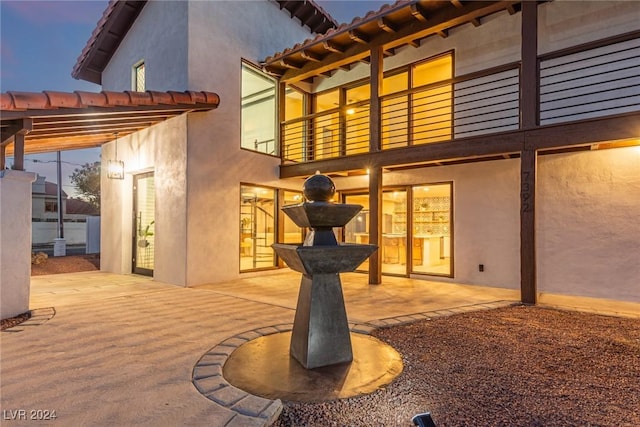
{"x": 121, "y": 349}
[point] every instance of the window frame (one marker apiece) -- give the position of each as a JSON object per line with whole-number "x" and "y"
{"x": 276, "y": 100}
{"x": 134, "y": 75}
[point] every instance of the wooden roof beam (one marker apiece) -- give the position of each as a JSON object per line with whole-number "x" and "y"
{"x": 387, "y": 25}
{"x": 16, "y": 127}
{"x": 438, "y": 24}
{"x": 310, "y": 56}
{"x": 456, "y": 3}
{"x": 418, "y": 12}
{"x": 443, "y": 33}
{"x": 288, "y": 64}
{"x": 333, "y": 47}
{"x": 359, "y": 36}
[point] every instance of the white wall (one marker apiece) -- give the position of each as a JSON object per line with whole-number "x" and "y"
{"x": 75, "y": 233}
{"x": 588, "y": 209}
{"x": 192, "y": 46}
{"x": 159, "y": 37}
{"x": 221, "y": 34}
{"x": 15, "y": 241}
{"x": 160, "y": 149}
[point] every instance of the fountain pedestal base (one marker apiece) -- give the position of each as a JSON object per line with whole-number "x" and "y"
{"x": 320, "y": 335}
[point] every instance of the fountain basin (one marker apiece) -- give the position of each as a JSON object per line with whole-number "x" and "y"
{"x": 310, "y": 260}
{"x": 321, "y": 214}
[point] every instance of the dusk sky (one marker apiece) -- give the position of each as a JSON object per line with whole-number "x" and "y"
{"x": 40, "y": 42}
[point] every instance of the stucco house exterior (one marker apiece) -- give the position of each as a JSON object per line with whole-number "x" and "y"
{"x": 493, "y": 143}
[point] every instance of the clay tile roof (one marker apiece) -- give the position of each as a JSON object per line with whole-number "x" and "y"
{"x": 22, "y": 101}
{"x": 63, "y": 99}
{"x": 52, "y": 121}
{"x": 404, "y": 22}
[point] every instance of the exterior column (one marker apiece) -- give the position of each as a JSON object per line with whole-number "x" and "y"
{"x": 15, "y": 244}
{"x": 375, "y": 171}
{"x": 528, "y": 274}
{"x": 529, "y": 117}
{"x": 18, "y": 152}
{"x": 375, "y": 224}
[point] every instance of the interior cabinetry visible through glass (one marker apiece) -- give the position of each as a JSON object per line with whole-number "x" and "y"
{"x": 418, "y": 229}
{"x": 431, "y": 228}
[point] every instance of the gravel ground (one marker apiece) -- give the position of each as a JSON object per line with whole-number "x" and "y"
{"x": 517, "y": 366}
{"x": 66, "y": 264}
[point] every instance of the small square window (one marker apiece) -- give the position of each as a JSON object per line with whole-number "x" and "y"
{"x": 138, "y": 78}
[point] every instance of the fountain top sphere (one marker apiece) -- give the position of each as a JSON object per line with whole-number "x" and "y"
{"x": 318, "y": 188}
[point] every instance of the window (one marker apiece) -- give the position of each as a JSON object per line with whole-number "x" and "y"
{"x": 432, "y": 231}
{"x": 292, "y": 234}
{"x": 432, "y": 106}
{"x": 259, "y": 109}
{"x": 139, "y": 78}
{"x": 356, "y": 117}
{"x": 416, "y": 109}
{"x": 294, "y": 130}
{"x": 51, "y": 206}
{"x": 417, "y": 229}
{"x": 326, "y": 127}
{"x": 257, "y": 227}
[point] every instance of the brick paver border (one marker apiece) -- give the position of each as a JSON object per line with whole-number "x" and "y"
{"x": 254, "y": 410}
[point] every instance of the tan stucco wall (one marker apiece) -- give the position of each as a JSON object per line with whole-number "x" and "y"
{"x": 566, "y": 23}
{"x": 588, "y": 228}
{"x": 486, "y": 203}
{"x": 15, "y": 241}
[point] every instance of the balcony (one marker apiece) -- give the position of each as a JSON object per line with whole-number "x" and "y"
{"x": 593, "y": 81}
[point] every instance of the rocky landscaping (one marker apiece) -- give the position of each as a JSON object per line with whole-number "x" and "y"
{"x": 518, "y": 366}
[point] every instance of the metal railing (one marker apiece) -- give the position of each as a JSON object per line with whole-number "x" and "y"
{"x": 594, "y": 80}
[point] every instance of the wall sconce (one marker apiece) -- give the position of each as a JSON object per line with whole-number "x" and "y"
{"x": 115, "y": 168}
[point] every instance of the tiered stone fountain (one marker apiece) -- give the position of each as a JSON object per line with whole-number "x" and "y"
{"x": 320, "y": 335}
{"x": 319, "y": 359}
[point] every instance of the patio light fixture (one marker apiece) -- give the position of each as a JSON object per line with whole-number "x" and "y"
{"x": 115, "y": 168}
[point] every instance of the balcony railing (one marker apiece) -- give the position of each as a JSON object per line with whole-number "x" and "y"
{"x": 590, "y": 82}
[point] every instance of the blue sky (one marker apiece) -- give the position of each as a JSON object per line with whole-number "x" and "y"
{"x": 40, "y": 42}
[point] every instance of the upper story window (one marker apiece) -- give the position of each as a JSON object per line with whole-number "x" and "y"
{"x": 138, "y": 77}
{"x": 259, "y": 109}
{"x": 416, "y": 103}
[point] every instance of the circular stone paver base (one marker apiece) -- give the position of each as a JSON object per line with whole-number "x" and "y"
{"x": 264, "y": 367}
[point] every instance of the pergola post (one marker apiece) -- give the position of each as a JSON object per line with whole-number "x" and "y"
{"x": 375, "y": 171}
